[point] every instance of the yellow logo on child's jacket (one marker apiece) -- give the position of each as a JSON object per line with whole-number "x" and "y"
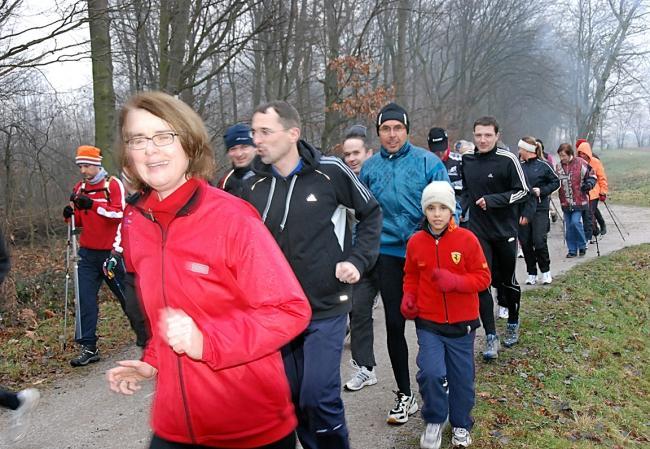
{"x": 455, "y": 257}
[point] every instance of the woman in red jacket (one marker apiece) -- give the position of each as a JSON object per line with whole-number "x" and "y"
{"x": 444, "y": 271}
{"x": 218, "y": 293}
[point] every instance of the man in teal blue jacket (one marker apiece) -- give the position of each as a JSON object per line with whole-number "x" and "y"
{"x": 396, "y": 176}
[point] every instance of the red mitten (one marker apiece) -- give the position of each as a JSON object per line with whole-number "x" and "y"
{"x": 602, "y": 197}
{"x": 409, "y": 306}
{"x": 445, "y": 280}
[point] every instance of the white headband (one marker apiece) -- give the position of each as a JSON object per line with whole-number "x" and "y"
{"x": 527, "y": 146}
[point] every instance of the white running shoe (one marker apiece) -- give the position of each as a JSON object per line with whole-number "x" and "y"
{"x": 503, "y": 312}
{"x": 405, "y": 406}
{"x": 21, "y": 417}
{"x": 362, "y": 378}
{"x": 432, "y": 436}
{"x": 531, "y": 279}
{"x": 546, "y": 278}
{"x": 460, "y": 437}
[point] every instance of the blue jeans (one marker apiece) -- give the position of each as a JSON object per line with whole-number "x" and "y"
{"x": 442, "y": 357}
{"x": 91, "y": 276}
{"x": 574, "y": 232}
{"x": 312, "y": 362}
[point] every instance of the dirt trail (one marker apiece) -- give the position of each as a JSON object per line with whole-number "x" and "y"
{"x": 81, "y": 413}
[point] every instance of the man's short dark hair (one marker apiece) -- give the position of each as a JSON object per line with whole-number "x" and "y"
{"x": 289, "y": 116}
{"x": 487, "y": 120}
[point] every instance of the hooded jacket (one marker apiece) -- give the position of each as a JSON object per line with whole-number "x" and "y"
{"x": 306, "y": 213}
{"x": 397, "y": 181}
{"x": 576, "y": 178}
{"x": 541, "y": 175}
{"x": 214, "y": 259}
{"x": 599, "y": 170}
{"x": 497, "y": 177}
{"x": 459, "y": 251}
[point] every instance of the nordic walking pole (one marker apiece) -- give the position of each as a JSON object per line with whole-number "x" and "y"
{"x": 614, "y": 220}
{"x": 556, "y": 209}
{"x": 63, "y": 336}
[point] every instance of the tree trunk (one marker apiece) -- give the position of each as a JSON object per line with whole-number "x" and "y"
{"x": 103, "y": 93}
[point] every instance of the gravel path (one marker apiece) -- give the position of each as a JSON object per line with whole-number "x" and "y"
{"x": 80, "y": 412}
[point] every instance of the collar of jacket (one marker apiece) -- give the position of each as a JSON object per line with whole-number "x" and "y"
{"x": 190, "y": 205}
{"x": 310, "y": 161}
{"x": 489, "y": 153}
{"x": 401, "y": 152}
{"x": 451, "y": 227}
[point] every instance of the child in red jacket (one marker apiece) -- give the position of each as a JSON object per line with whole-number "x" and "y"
{"x": 445, "y": 269}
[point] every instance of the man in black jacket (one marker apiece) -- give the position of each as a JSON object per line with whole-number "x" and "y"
{"x": 302, "y": 197}
{"x": 240, "y": 149}
{"x": 493, "y": 186}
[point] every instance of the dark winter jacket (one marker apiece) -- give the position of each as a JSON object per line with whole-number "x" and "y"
{"x": 540, "y": 174}
{"x": 5, "y": 263}
{"x": 306, "y": 213}
{"x": 453, "y": 165}
{"x": 498, "y": 177}
{"x": 233, "y": 181}
{"x": 577, "y": 178}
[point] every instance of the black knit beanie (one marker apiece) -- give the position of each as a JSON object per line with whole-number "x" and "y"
{"x": 393, "y": 111}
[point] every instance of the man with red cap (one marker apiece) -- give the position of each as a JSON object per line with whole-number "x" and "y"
{"x": 96, "y": 206}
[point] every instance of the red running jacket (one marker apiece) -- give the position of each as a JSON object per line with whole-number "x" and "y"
{"x": 220, "y": 265}
{"x": 457, "y": 250}
{"x": 99, "y": 224}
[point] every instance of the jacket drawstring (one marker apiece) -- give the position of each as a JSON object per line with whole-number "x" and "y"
{"x": 268, "y": 200}
{"x": 288, "y": 200}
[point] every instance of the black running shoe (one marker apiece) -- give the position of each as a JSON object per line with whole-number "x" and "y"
{"x": 88, "y": 354}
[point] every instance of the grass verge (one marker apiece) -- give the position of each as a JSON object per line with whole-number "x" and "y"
{"x": 628, "y": 172}
{"x": 580, "y": 377}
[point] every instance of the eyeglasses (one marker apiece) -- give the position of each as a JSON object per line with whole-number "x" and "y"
{"x": 265, "y": 132}
{"x": 390, "y": 130}
{"x": 159, "y": 140}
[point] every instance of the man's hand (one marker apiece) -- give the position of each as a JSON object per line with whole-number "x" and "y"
{"x": 481, "y": 203}
{"x": 83, "y": 202}
{"x": 181, "y": 333}
{"x": 536, "y": 191}
{"x": 68, "y": 212}
{"x": 346, "y": 272}
{"x": 523, "y": 221}
{"x": 409, "y": 307}
{"x": 110, "y": 264}
{"x": 126, "y": 377}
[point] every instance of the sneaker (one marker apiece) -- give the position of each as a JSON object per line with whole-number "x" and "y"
{"x": 531, "y": 279}
{"x": 404, "y": 407}
{"x": 21, "y": 417}
{"x": 512, "y": 335}
{"x": 88, "y": 354}
{"x": 503, "y": 312}
{"x": 571, "y": 255}
{"x": 546, "y": 278}
{"x": 432, "y": 436}
{"x": 491, "y": 347}
{"x": 460, "y": 437}
{"x": 582, "y": 252}
{"x": 362, "y": 378}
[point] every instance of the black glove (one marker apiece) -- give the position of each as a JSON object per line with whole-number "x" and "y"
{"x": 585, "y": 188}
{"x": 111, "y": 264}
{"x": 83, "y": 202}
{"x": 68, "y": 212}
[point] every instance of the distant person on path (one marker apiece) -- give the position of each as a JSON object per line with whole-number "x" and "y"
{"x": 219, "y": 294}
{"x": 240, "y": 150}
{"x": 303, "y": 197}
{"x": 23, "y": 403}
{"x": 494, "y": 187}
{"x": 577, "y": 178}
{"x": 597, "y": 194}
{"x": 543, "y": 181}
{"x": 445, "y": 269}
{"x": 97, "y": 203}
{"x": 397, "y": 175}
{"x": 355, "y": 153}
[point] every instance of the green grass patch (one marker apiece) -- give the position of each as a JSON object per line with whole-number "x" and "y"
{"x": 628, "y": 173}
{"x": 579, "y": 377}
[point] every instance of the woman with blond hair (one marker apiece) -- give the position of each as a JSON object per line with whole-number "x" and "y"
{"x": 217, "y": 291}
